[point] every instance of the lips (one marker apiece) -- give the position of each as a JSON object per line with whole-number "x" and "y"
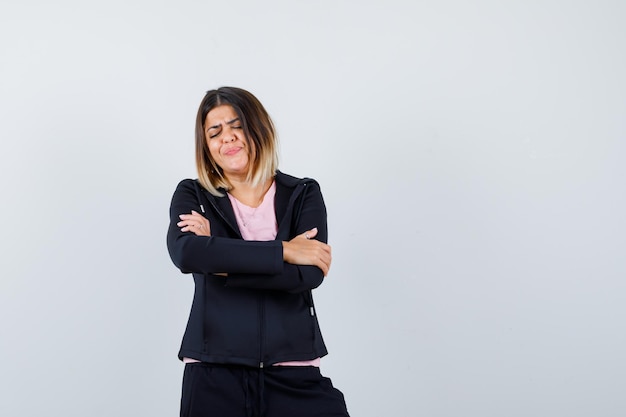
{"x": 231, "y": 151}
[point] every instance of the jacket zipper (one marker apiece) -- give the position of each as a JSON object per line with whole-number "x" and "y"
{"x": 261, "y": 328}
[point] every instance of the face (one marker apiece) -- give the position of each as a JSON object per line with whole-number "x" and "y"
{"x": 227, "y": 143}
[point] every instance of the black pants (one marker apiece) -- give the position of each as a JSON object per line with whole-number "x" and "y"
{"x": 238, "y": 391}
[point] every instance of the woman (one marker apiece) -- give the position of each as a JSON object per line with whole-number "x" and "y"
{"x": 254, "y": 239}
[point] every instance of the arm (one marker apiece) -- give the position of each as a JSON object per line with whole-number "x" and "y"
{"x": 299, "y": 271}
{"x": 215, "y": 254}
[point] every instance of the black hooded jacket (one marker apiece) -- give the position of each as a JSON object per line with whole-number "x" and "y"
{"x": 262, "y": 312}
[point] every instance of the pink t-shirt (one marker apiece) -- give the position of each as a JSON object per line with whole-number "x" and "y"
{"x": 259, "y": 223}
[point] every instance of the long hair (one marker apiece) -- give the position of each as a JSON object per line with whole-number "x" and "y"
{"x": 259, "y": 132}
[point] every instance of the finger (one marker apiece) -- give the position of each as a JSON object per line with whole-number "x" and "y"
{"x": 188, "y": 226}
{"x": 324, "y": 249}
{"x": 189, "y": 216}
{"x": 310, "y": 234}
{"x": 198, "y": 230}
{"x": 325, "y": 267}
{"x": 186, "y": 217}
{"x": 322, "y": 261}
{"x": 328, "y": 260}
{"x": 188, "y": 222}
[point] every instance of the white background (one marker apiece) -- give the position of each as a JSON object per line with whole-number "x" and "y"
{"x": 471, "y": 155}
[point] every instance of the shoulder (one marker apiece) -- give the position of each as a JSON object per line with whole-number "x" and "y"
{"x": 192, "y": 188}
{"x": 187, "y": 184}
{"x": 291, "y": 181}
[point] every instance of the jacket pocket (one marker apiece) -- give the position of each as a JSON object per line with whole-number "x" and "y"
{"x": 231, "y": 322}
{"x": 290, "y": 325}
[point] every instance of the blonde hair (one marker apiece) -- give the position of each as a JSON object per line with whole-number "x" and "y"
{"x": 259, "y": 132}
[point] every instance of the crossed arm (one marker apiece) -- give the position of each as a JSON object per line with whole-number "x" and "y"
{"x": 291, "y": 265}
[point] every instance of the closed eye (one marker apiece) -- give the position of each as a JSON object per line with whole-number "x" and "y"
{"x": 234, "y": 124}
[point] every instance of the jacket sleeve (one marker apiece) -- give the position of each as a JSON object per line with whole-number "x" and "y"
{"x": 309, "y": 212}
{"x": 214, "y": 254}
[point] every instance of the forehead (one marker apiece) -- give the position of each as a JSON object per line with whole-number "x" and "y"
{"x": 220, "y": 114}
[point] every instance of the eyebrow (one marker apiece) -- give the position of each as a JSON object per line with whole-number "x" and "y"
{"x": 230, "y": 122}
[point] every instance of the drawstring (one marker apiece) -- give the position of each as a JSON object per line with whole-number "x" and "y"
{"x": 247, "y": 394}
{"x": 254, "y": 394}
{"x": 261, "y": 392}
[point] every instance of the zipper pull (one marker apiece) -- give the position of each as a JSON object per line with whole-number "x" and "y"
{"x": 312, "y": 311}
{"x": 261, "y": 365}
{"x": 202, "y": 208}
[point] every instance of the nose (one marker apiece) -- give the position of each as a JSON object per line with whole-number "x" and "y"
{"x": 229, "y": 135}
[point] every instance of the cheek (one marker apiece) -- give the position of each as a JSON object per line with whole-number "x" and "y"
{"x": 214, "y": 150}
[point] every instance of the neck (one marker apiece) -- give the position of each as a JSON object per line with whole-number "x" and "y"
{"x": 248, "y": 194}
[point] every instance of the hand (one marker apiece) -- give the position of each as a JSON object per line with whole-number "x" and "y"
{"x": 195, "y": 223}
{"x": 304, "y": 250}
